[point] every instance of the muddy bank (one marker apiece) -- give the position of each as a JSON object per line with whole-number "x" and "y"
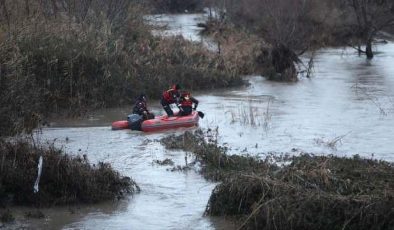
{"x": 305, "y": 192}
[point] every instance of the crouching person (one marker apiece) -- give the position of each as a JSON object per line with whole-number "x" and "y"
{"x": 187, "y": 104}
{"x": 140, "y": 113}
{"x": 169, "y": 97}
{"x": 140, "y": 108}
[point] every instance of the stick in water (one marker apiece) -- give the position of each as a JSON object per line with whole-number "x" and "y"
{"x": 39, "y": 175}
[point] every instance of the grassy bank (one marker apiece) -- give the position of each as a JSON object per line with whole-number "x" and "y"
{"x": 312, "y": 192}
{"x": 235, "y": 46}
{"x": 64, "y": 179}
{"x": 68, "y": 59}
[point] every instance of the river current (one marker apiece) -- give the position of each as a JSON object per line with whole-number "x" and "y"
{"x": 346, "y": 108}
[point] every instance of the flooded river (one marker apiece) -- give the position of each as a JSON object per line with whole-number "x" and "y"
{"x": 346, "y": 108}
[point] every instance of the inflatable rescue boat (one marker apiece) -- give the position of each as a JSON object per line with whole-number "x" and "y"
{"x": 134, "y": 122}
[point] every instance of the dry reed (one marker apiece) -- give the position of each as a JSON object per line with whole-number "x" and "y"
{"x": 312, "y": 192}
{"x": 65, "y": 179}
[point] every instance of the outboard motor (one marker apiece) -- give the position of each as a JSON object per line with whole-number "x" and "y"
{"x": 135, "y": 121}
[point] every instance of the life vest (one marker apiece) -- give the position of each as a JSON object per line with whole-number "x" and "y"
{"x": 170, "y": 95}
{"x": 140, "y": 107}
{"x": 186, "y": 100}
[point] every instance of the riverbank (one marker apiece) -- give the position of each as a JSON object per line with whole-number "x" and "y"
{"x": 306, "y": 191}
{"x": 307, "y": 26}
{"x": 64, "y": 65}
{"x": 37, "y": 175}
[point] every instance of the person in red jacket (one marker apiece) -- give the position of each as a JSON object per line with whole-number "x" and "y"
{"x": 186, "y": 102}
{"x": 169, "y": 97}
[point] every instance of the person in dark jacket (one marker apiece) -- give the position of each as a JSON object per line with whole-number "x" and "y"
{"x": 187, "y": 104}
{"x": 170, "y": 96}
{"x": 141, "y": 108}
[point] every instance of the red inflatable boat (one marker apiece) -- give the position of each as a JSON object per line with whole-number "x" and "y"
{"x": 161, "y": 123}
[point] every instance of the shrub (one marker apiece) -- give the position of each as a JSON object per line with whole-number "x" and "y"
{"x": 312, "y": 192}
{"x": 65, "y": 179}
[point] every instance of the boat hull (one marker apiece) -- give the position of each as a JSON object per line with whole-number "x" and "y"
{"x": 120, "y": 125}
{"x": 161, "y": 123}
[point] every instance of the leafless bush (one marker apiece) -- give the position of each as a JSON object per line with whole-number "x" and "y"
{"x": 287, "y": 25}
{"x": 363, "y": 19}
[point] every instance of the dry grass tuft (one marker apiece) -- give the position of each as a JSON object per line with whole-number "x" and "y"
{"x": 65, "y": 179}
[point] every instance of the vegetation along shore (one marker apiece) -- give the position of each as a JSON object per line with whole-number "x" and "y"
{"x": 65, "y": 58}
{"x": 301, "y": 192}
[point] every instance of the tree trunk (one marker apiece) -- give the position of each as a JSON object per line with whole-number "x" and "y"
{"x": 283, "y": 60}
{"x": 368, "y": 49}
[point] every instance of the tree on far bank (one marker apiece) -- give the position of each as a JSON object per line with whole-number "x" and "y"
{"x": 365, "y": 19}
{"x": 283, "y": 24}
